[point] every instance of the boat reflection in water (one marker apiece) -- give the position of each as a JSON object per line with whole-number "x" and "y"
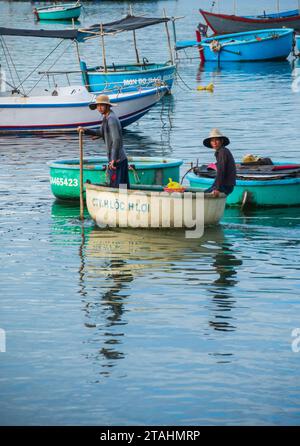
{"x": 118, "y": 268}
{"x": 273, "y": 69}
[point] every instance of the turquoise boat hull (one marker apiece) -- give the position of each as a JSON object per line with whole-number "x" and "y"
{"x": 127, "y": 76}
{"x": 61, "y": 12}
{"x": 64, "y": 174}
{"x": 281, "y": 192}
{"x": 298, "y": 44}
{"x": 270, "y": 44}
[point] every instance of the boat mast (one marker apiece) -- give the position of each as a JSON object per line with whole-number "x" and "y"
{"x": 278, "y": 6}
{"x": 134, "y": 39}
{"x": 169, "y": 40}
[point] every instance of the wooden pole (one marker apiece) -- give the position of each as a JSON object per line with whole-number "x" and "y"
{"x": 81, "y": 174}
{"x": 168, "y": 37}
{"x": 278, "y": 6}
{"x": 234, "y": 8}
{"x": 299, "y": 6}
{"x": 103, "y": 48}
{"x": 135, "y": 48}
{"x": 134, "y": 39}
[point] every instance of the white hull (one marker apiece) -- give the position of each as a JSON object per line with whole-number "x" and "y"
{"x": 68, "y": 109}
{"x": 152, "y": 208}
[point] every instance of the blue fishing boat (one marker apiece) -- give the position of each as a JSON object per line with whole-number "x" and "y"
{"x": 128, "y": 76}
{"x": 272, "y": 185}
{"x": 58, "y": 12}
{"x": 141, "y": 73}
{"x": 269, "y": 44}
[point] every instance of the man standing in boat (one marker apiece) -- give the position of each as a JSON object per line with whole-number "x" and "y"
{"x": 226, "y": 169}
{"x": 111, "y": 132}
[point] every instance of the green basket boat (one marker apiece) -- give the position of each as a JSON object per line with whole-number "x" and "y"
{"x": 64, "y": 174}
{"x": 279, "y": 185}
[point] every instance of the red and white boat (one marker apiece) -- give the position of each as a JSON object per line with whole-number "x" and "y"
{"x": 228, "y": 24}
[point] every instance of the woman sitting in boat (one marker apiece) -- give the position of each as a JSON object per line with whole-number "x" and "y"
{"x": 226, "y": 170}
{"x": 111, "y": 132}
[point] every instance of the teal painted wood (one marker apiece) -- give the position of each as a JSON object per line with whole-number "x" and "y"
{"x": 127, "y": 76}
{"x": 64, "y": 174}
{"x": 298, "y": 43}
{"x": 283, "y": 192}
{"x": 59, "y": 12}
{"x": 269, "y": 44}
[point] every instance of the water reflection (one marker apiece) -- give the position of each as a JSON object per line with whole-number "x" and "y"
{"x": 125, "y": 255}
{"x": 277, "y": 217}
{"x": 271, "y": 68}
{"x": 112, "y": 262}
{"x": 225, "y": 263}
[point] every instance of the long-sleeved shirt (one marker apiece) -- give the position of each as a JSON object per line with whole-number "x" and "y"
{"x": 226, "y": 169}
{"x": 111, "y": 132}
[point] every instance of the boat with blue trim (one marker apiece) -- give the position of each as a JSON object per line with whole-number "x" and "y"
{"x": 128, "y": 76}
{"x": 258, "y": 185}
{"x": 231, "y": 23}
{"x": 264, "y": 45}
{"x": 66, "y": 108}
{"x": 68, "y": 11}
{"x": 125, "y": 76}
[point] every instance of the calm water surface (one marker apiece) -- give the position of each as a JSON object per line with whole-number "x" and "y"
{"x": 140, "y": 327}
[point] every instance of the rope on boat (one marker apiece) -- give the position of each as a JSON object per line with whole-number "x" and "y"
{"x": 30, "y": 74}
{"x": 67, "y": 47}
{"x": 189, "y": 170}
{"x": 135, "y": 174}
{"x": 7, "y": 54}
{"x": 215, "y": 46}
{"x": 184, "y": 83}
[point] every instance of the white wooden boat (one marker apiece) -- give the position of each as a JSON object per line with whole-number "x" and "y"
{"x": 152, "y": 207}
{"x": 67, "y": 108}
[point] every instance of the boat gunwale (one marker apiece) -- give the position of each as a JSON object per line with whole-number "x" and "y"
{"x": 236, "y": 18}
{"x": 140, "y": 189}
{"x": 73, "y": 164}
{"x": 59, "y": 8}
{"x": 90, "y": 71}
{"x": 254, "y": 183}
{"x": 115, "y": 98}
{"x": 284, "y": 32}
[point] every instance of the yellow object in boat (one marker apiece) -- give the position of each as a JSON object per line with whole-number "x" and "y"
{"x": 249, "y": 158}
{"x": 173, "y": 184}
{"x": 210, "y": 87}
